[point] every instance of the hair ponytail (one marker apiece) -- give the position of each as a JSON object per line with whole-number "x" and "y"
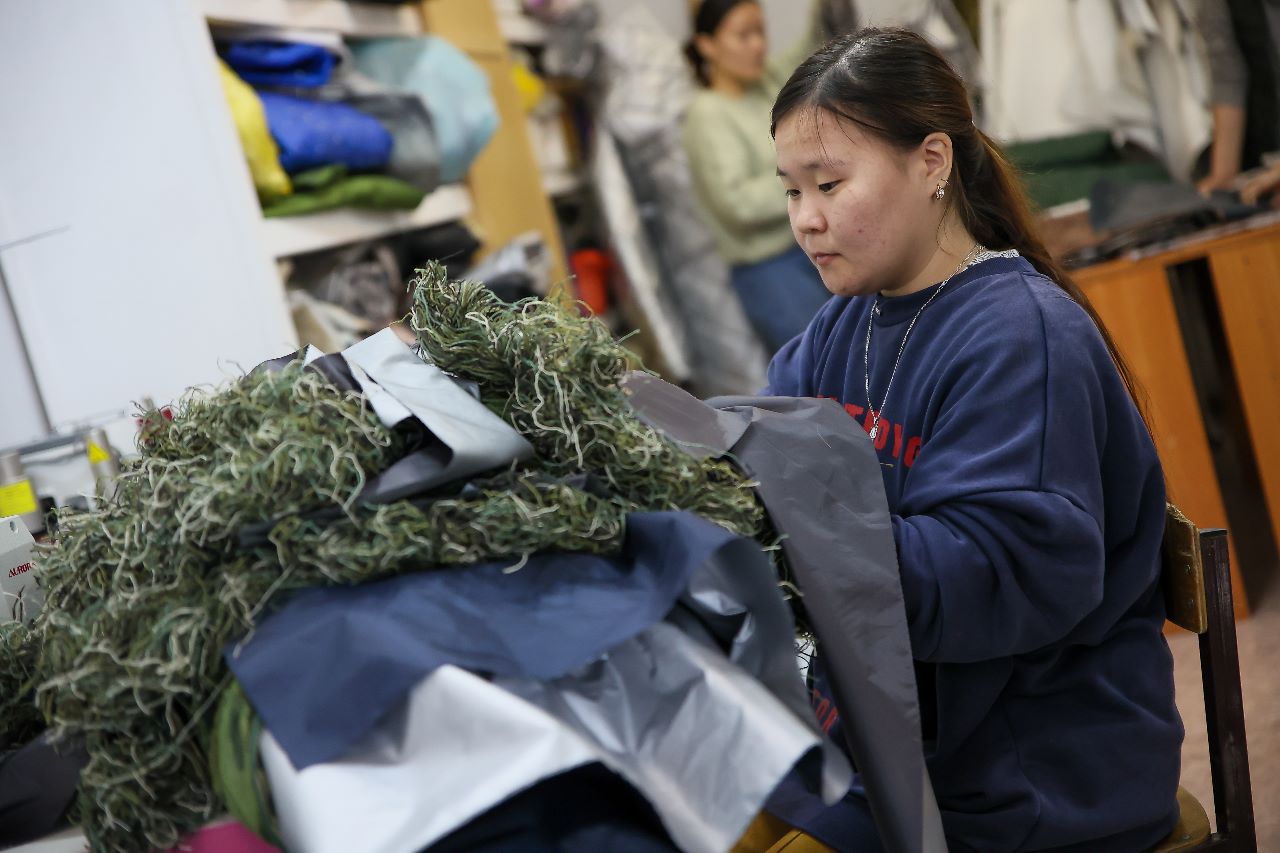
{"x": 898, "y": 87}
{"x": 999, "y": 215}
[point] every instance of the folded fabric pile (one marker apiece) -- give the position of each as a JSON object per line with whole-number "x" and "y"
{"x": 329, "y": 471}
{"x": 300, "y": 104}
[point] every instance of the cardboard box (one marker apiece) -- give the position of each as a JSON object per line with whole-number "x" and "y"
{"x": 20, "y": 594}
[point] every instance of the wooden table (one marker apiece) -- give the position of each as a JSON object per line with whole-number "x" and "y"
{"x": 1198, "y": 320}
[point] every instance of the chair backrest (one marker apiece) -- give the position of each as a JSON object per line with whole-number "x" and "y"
{"x": 1186, "y": 604}
{"x": 1197, "y": 586}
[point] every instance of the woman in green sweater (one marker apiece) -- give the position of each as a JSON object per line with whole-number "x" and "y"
{"x": 726, "y": 135}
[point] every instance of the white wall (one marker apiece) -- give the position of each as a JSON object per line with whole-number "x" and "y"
{"x": 119, "y": 146}
{"x": 21, "y": 413}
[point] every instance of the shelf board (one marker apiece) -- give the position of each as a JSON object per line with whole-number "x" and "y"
{"x": 294, "y": 235}
{"x": 367, "y": 20}
{"x": 521, "y": 29}
{"x": 558, "y": 182}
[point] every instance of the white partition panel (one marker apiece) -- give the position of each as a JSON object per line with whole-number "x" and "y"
{"x": 116, "y": 146}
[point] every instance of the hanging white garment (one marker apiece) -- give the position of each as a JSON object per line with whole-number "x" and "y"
{"x": 1062, "y": 67}
{"x": 1118, "y": 95}
{"x": 1033, "y": 55}
{"x": 1175, "y": 70}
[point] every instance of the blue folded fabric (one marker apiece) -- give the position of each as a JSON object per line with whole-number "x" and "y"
{"x": 327, "y": 666}
{"x": 280, "y": 63}
{"x": 321, "y": 133}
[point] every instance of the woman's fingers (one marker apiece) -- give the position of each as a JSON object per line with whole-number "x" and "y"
{"x": 1255, "y": 187}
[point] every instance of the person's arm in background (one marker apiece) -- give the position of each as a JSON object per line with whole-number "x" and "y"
{"x": 739, "y": 198}
{"x": 1255, "y": 187}
{"x": 1229, "y": 77}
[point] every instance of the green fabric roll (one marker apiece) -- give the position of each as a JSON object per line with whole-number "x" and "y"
{"x": 330, "y": 186}
{"x": 234, "y": 769}
{"x": 1079, "y": 148}
{"x": 1070, "y": 183}
{"x": 1064, "y": 169}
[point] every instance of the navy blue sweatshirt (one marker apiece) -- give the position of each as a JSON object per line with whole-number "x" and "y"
{"x": 1028, "y": 507}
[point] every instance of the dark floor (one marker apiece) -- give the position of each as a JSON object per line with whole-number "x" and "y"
{"x": 1259, "y": 641}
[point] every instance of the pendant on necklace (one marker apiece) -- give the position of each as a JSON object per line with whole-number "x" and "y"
{"x": 875, "y": 430}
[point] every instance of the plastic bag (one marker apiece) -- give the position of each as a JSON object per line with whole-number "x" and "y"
{"x": 455, "y": 90}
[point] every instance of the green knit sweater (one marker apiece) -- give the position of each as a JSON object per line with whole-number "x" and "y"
{"x": 732, "y": 160}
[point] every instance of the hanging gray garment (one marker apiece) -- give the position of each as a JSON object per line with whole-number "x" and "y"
{"x": 820, "y": 481}
{"x": 1164, "y": 34}
{"x": 647, "y": 88}
{"x": 571, "y": 49}
{"x": 647, "y": 305}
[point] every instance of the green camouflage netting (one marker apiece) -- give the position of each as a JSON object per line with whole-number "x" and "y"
{"x": 143, "y": 595}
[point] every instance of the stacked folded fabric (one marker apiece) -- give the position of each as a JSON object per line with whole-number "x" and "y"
{"x": 303, "y": 110}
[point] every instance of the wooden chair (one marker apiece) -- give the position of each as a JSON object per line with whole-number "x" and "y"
{"x": 1197, "y": 587}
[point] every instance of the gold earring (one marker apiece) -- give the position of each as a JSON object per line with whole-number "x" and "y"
{"x": 940, "y": 191}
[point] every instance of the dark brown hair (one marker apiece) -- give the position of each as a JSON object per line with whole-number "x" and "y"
{"x": 708, "y": 18}
{"x": 899, "y": 88}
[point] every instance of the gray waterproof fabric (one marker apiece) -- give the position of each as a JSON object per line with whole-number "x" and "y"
{"x": 703, "y": 713}
{"x": 415, "y": 154}
{"x": 399, "y": 385}
{"x": 655, "y": 703}
{"x": 820, "y": 481}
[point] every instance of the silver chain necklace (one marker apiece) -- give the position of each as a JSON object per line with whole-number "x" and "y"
{"x": 976, "y": 253}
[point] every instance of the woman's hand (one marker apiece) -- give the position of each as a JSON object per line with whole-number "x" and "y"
{"x": 1211, "y": 182}
{"x": 1263, "y": 183}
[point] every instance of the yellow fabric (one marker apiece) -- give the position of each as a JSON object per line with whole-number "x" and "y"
{"x": 767, "y": 834}
{"x": 530, "y": 86}
{"x": 269, "y": 178}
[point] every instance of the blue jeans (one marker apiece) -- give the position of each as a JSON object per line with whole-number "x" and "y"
{"x": 780, "y": 295}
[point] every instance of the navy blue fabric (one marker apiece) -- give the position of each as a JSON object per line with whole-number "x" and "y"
{"x": 38, "y": 784}
{"x": 1028, "y": 509}
{"x": 606, "y": 814}
{"x": 320, "y": 133}
{"x": 850, "y": 828}
{"x": 280, "y": 63}
{"x": 328, "y": 665}
{"x": 780, "y": 295}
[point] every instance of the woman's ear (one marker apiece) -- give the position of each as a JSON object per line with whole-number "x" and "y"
{"x": 706, "y": 46}
{"x": 936, "y": 152}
